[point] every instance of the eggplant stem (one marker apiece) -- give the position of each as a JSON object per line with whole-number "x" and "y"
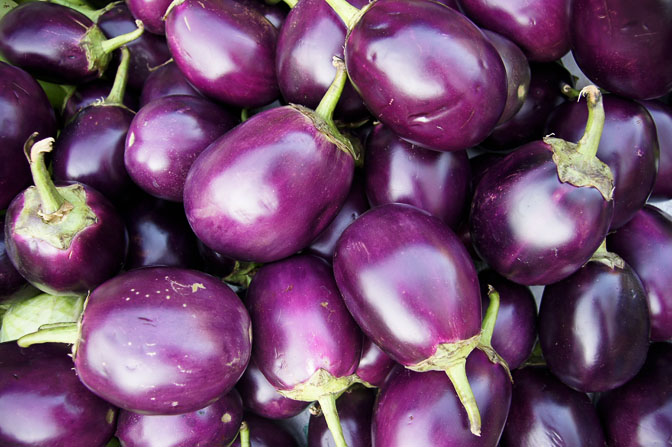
{"x": 325, "y": 109}
{"x": 328, "y": 406}
{"x": 490, "y": 317}
{"x": 590, "y": 141}
{"x": 348, "y": 13}
{"x": 51, "y": 333}
{"x": 116, "y": 96}
{"x": 51, "y": 200}
{"x": 112, "y": 44}
{"x": 244, "y": 434}
{"x": 291, "y": 3}
{"x": 457, "y": 373}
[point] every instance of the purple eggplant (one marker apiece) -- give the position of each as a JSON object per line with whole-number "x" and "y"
{"x": 151, "y": 13}
{"x": 374, "y": 365}
{"x": 412, "y": 287}
{"x": 313, "y": 35}
{"x": 539, "y": 27}
{"x": 214, "y": 425}
{"x": 86, "y": 94}
{"x": 400, "y": 172}
{"x": 639, "y": 414}
{"x": 158, "y": 340}
{"x": 544, "y": 412}
{"x": 262, "y": 399}
{"x": 539, "y": 214}
{"x": 306, "y": 343}
{"x": 628, "y": 145}
{"x": 423, "y": 409}
{"x": 165, "y": 138}
{"x": 215, "y": 263}
{"x": 267, "y": 188}
{"x": 355, "y": 409}
{"x": 481, "y": 163}
{"x": 166, "y": 80}
{"x": 225, "y": 49}
{"x": 516, "y": 327}
{"x": 662, "y": 118}
{"x": 624, "y": 46}
{"x": 276, "y": 13}
{"x": 24, "y": 109}
{"x": 10, "y": 280}
{"x": 645, "y": 243}
{"x": 260, "y": 432}
{"x": 400, "y": 69}
{"x": 90, "y": 148}
{"x": 43, "y": 403}
{"x": 64, "y": 240}
{"x": 57, "y": 43}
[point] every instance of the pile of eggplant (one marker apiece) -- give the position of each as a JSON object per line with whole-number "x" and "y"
{"x": 322, "y": 223}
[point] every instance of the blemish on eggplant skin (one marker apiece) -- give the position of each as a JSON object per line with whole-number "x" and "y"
{"x": 226, "y": 418}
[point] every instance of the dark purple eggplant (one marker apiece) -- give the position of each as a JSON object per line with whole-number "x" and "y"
{"x": 24, "y": 109}
{"x": 412, "y": 287}
{"x": 43, "y": 403}
{"x": 624, "y": 46}
{"x": 86, "y": 94}
{"x": 10, "y": 280}
{"x": 662, "y": 118}
{"x": 539, "y": 27}
{"x": 151, "y": 12}
{"x": 166, "y": 80}
{"x": 260, "y": 432}
{"x": 540, "y": 213}
{"x": 276, "y": 13}
{"x": 57, "y": 43}
{"x": 400, "y": 172}
{"x": 645, "y": 243}
{"x": 215, "y": 263}
{"x": 423, "y": 409}
{"x": 64, "y": 240}
{"x": 400, "y": 69}
{"x": 628, "y": 146}
{"x": 225, "y": 49}
{"x": 261, "y": 398}
{"x": 639, "y": 414}
{"x": 374, "y": 365}
{"x": 215, "y": 425}
{"x": 545, "y": 412}
{"x": 158, "y": 340}
{"x": 90, "y": 148}
{"x": 355, "y": 409}
{"x": 480, "y": 164}
{"x": 306, "y": 343}
{"x": 267, "y": 188}
{"x": 165, "y": 138}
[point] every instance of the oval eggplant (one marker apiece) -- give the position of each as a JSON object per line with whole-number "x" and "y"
{"x": 165, "y": 81}
{"x": 151, "y": 12}
{"x": 662, "y": 118}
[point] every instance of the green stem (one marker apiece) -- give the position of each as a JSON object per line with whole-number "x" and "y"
{"x": 242, "y": 273}
{"x": 325, "y": 109}
{"x": 611, "y": 260}
{"x": 244, "y": 115}
{"x": 490, "y": 317}
{"x": 345, "y": 11}
{"x": 590, "y": 141}
{"x": 291, "y": 3}
{"x": 51, "y": 200}
{"x": 52, "y": 333}
{"x": 116, "y": 96}
{"x": 117, "y": 42}
{"x": 328, "y": 406}
{"x": 244, "y": 435}
{"x": 570, "y": 92}
{"x": 458, "y": 376}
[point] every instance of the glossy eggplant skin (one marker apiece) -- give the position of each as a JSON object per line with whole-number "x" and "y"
{"x": 316, "y": 330}
{"x": 163, "y": 340}
{"x": 545, "y": 412}
{"x": 24, "y": 109}
{"x": 265, "y": 433}
{"x": 87, "y": 94}
{"x": 215, "y": 263}
{"x": 408, "y": 282}
{"x": 422, "y": 408}
{"x": 252, "y": 194}
{"x": 374, "y": 365}
{"x": 662, "y": 117}
{"x": 639, "y": 414}
{"x": 594, "y": 327}
{"x": 400, "y": 172}
{"x": 539, "y": 27}
{"x": 238, "y": 70}
{"x": 214, "y": 425}
{"x": 646, "y": 244}
{"x": 628, "y": 146}
{"x": 516, "y": 326}
{"x": 10, "y": 279}
{"x": 531, "y": 228}
{"x": 355, "y": 410}
{"x": 412, "y": 92}
{"x": 151, "y": 13}
{"x": 43, "y": 403}
{"x": 165, "y": 81}
{"x": 313, "y": 35}
{"x": 262, "y": 399}
{"x": 623, "y": 46}
{"x": 165, "y": 138}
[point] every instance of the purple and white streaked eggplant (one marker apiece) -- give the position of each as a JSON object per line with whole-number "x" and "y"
{"x": 225, "y": 49}
{"x": 64, "y": 240}
{"x": 399, "y": 172}
{"x": 57, "y": 43}
{"x": 374, "y": 365}
{"x": 546, "y": 208}
{"x": 165, "y": 138}
{"x": 158, "y": 340}
{"x": 267, "y": 188}
{"x": 163, "y": 81}
{"x": 259, "y": 432}
{"x": 214, "y": 425}
{"x": 662, "y": 118}
{"x": 43, "y": 403}
{"x": 355, "y": 410}
{"x": 306, "y": 343}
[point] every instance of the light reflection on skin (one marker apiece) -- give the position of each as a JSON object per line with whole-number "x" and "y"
{"x": 42, "y": 408}
{"x": 303, "y": 54}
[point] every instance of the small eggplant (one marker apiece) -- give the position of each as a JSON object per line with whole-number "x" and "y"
{"x": 355, "y": 410}
{"x": 165, "y": 80}
{"x": 374, "y": 365}
{"x": 151, "y": 13}
{"x": 662, "y": 118}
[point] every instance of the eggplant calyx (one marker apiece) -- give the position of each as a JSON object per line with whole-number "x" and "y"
{"x": 488, "y": 328}
{"x": 99, "y": 49}
{"x": 611, "y": 260}
{"x": 242, "y": 273}
{"x": 342, "y": 143}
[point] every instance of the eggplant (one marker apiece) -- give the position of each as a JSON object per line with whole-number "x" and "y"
{"x": 215, "y": 263}
{"x": 260, "y": 432}
{"x": 24, "y": 109}
{"x": 400, "y": 172}
{"x": 57, "y": 43}
{"x": 540, "y": 213}
{"x": 374, "y": 365}
{"x": 10, "y": 280}
{"x": 355, "y": 409}
{"x": 86, "y": 94}
{"x": 43, "y": 403}
{"x": 158, "y": 340}
{"x": 274, "y": 12}
{"x": 165, "y": 138}
{"x": 151, "y": 13}
{"x": 214, "y": 425}
{"x": 163, "y": 81}
{"x": 661, "y": 114}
